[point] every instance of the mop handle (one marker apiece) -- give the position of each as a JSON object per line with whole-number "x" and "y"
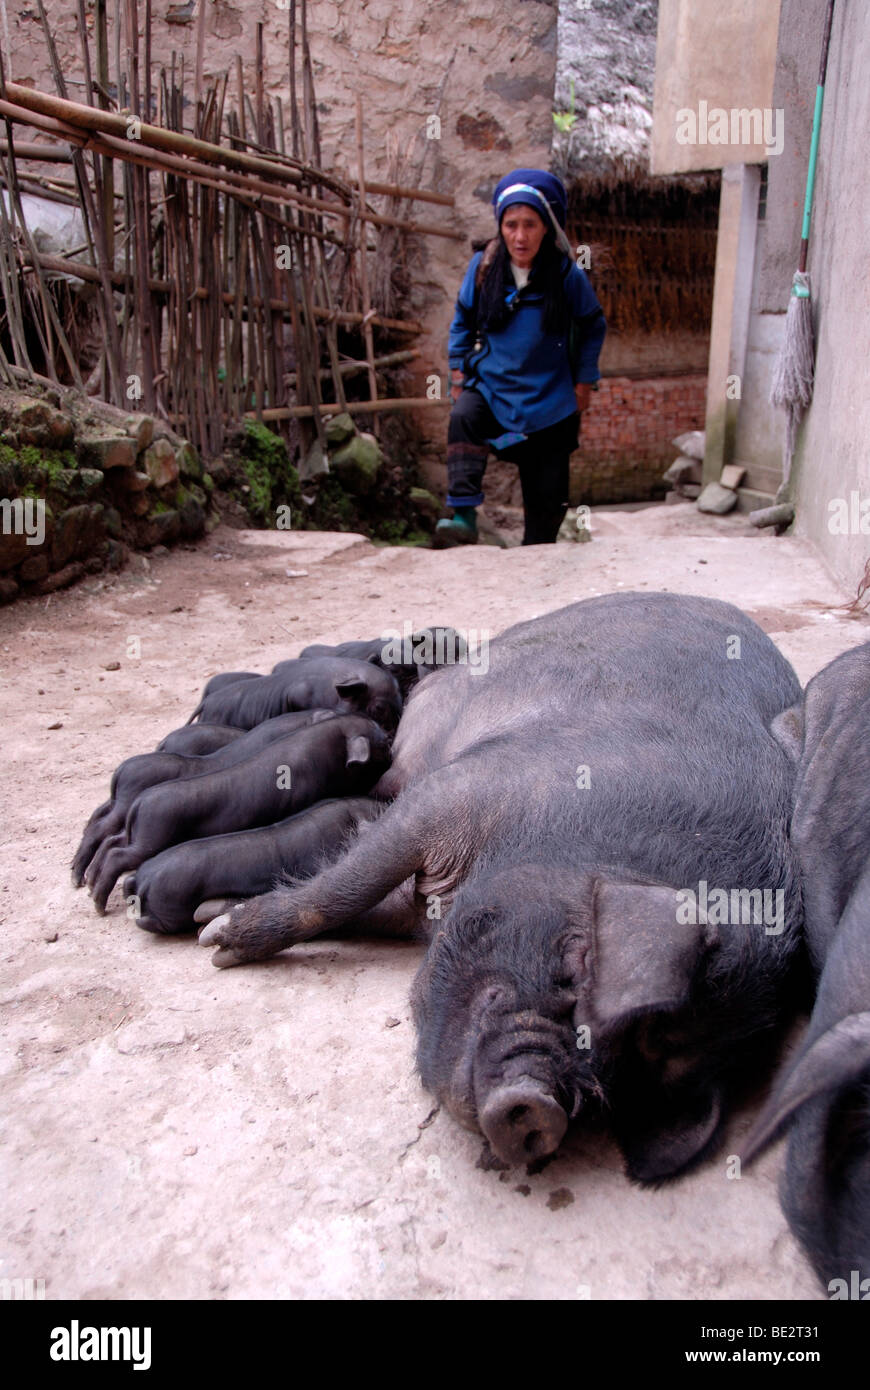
{"x": 814, "y": 143}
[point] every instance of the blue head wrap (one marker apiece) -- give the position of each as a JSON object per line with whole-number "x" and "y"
{"x": 539, "y": 190}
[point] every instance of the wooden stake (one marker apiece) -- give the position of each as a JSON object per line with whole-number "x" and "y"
{"x": 363, "y": 260}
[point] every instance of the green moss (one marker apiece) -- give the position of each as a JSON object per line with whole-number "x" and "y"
{"x": 259, "y": 499}
{"x": 269, "y": 474}
{"x": 37, "y": 471}
{"x": 391, "y": 531}
{"x": 56, "y": 462}
{"x": 335, "y": 509}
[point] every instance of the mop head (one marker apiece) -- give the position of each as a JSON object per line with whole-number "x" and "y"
{"x": 792, "y": 387}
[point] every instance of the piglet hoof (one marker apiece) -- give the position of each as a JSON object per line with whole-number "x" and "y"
{"x": 214, "y": 907}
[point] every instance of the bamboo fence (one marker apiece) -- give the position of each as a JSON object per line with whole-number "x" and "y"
{"x": 234, "y": 276}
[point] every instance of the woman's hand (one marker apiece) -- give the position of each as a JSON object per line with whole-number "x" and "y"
{"x": 582, "y": 393}
{"x": 457, "y": 381}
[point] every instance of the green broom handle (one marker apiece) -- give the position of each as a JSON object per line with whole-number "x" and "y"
{"x": 814, "y": 143}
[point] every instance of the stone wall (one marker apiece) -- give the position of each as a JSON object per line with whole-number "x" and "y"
{"x": 81, "y": 483}
{"x": 486, "y": 70}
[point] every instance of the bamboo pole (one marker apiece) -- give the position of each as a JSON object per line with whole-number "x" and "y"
{"x": 94, "y": 228}
{"x": 158, "y": 158}
{"x": 363, "y": 259}
{"x": 107, "y": 165}
{"x": 89, "y": 118}
{"x": 82, "y": 271}
{"x": 351, "y": 368}
{"x": 299, "y": 412}
{"x": 44, "y": 154}
{"x": 112, "y": 123}
{"x": 294, "y": 112}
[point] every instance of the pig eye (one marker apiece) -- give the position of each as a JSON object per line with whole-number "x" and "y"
{"x": 492, "y": 995}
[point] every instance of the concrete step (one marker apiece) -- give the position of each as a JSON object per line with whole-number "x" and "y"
{"x": 748, "y": 500}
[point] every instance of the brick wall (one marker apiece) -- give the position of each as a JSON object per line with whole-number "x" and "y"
{"x": 627, "y": 433}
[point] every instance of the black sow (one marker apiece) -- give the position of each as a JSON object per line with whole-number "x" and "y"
{"x": 597, "y": 831}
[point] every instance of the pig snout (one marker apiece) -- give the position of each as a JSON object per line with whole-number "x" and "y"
{"x": 522, "y": 1122}
{"x": 515, "y": 1079}
{"x": 511, "y": 1078}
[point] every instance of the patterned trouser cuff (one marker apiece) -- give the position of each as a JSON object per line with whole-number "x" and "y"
{"x": 474, "y": 501}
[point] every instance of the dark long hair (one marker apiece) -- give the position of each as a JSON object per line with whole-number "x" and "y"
{"x": 548, "y": 271}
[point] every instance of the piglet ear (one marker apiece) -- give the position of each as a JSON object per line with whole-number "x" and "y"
{"x": 788, "y": 730}
{"x": 359, "y": 750}
{"x": 352, "y": 689}
{"x": 645, "y": 952}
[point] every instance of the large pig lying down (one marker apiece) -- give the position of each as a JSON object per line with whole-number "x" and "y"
{"x": 826, "y": 1087}
{"x": 615, "y": 751}
{"x": 171, "y": 885}
{"x": 340, "y": 756}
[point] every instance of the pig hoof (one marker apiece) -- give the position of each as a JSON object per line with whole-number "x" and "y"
{"x": 210, "y": 936}
{"x": 225, "y": 956}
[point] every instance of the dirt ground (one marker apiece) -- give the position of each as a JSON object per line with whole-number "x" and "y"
{"x": 174, "y": 1131}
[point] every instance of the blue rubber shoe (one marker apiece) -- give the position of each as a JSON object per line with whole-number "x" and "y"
{"x": 460, "y": 529}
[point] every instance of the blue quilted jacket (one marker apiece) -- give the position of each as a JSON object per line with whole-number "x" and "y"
{"x": 523, "y": 372}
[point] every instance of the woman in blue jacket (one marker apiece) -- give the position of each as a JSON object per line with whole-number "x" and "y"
{"x": 523, "y": 353}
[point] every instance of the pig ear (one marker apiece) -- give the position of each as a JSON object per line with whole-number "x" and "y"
{"x": 788, "y": 730}
{"x": 320, "y": 714}
{"x": 358, "y": 750}
{"x": 645, "y": 954}
{"x": 663, "y": 1132}
{"x": 834, "y": 1060}
{"x": 353, "y": 689}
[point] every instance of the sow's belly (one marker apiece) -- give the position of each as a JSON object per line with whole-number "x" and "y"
{"x": 455, "y": 709}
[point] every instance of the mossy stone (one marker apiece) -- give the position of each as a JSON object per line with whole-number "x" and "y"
{"x": 358, "y": 463}
{"x": 339, "y": 428}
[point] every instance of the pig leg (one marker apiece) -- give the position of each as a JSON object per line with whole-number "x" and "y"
{"x": 116, "y": 862}
{"x": 397, "y": 846}
{"x": 92, "y": 872}
{"x": 398, "y": 915}
{"x": 105, "y": 821}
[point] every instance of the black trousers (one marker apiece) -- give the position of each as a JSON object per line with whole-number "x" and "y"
{"x": 542, "y": 459}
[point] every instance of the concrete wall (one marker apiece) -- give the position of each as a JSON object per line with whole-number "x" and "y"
{"x": 718, "y": 52}
{"x": 833, "y": 455}
{"x": 758, "y": 442}
{"x": 496, "y": 106}
{"x": 831, "y": 471}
